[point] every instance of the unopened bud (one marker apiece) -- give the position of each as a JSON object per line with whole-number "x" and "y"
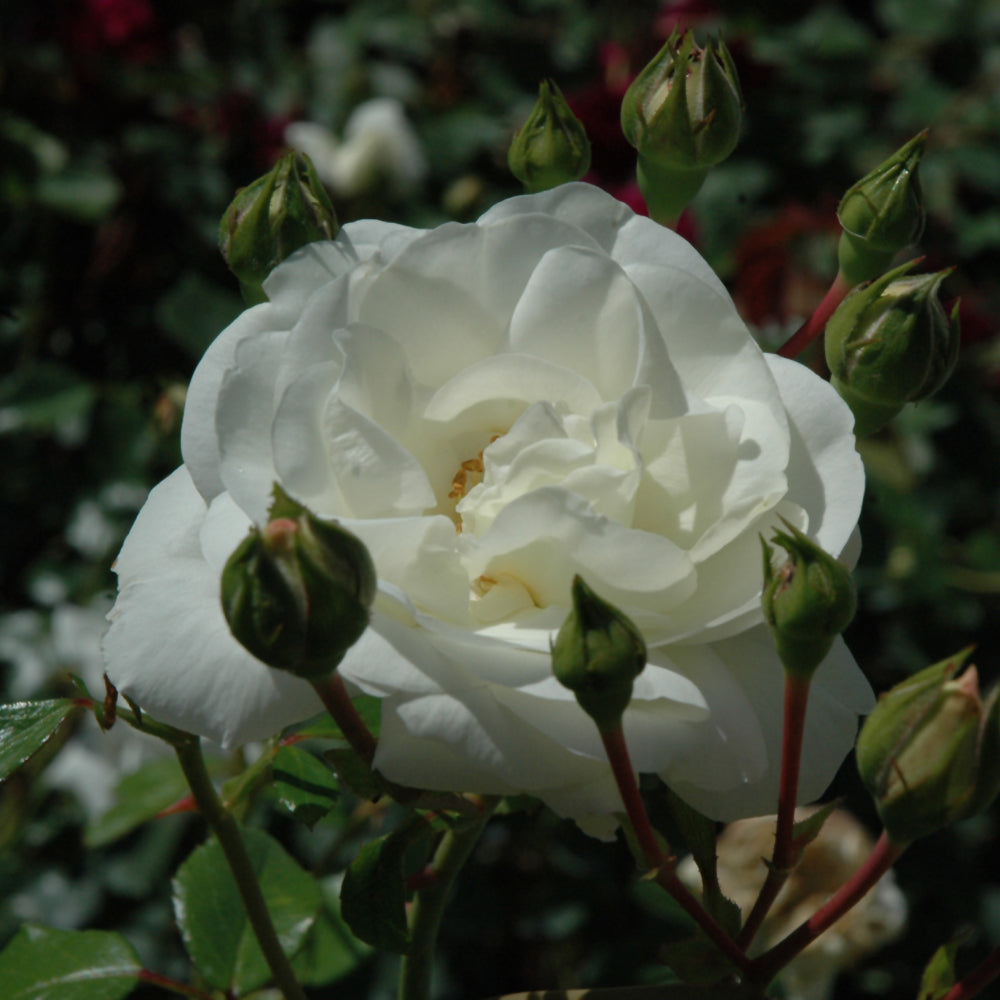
{"x": 598, "y": 654}
{"x": 890, "y": 343}
{"x": 551, "y": 147}
{"x": 928, "y": 751}
{"x": 297, "y": 592}
{"x": 683, "y": 114}
{"x": 273, "y": 217}
{"x": 881, "y": 214}
{"x": 808, "y": 601}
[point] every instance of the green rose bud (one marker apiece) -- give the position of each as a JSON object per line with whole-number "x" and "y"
{"x": 890, "y": 343}
{"x": 552, "y": 147}
{"x": 296, "y": 593}
{"x": 271, "y": 218}
{"x": 881, "y": 214}
{"x": 928, "y": 751}
{"x": 808, "y": 601}
{"x": 683, "y": 113}
{"x": 598, "y": 654}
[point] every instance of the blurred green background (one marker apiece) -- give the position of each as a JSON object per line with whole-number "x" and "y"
{"x": 125, "y": 128}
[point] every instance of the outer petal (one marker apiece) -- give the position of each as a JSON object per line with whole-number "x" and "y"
{"x": 838, "y": 696}
{"x": 825, "y": 472}
{"x": 169, "y": 647}
{"x": 199, "y": 439}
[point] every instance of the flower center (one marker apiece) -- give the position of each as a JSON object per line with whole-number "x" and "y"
{"x": 469, "y": 474}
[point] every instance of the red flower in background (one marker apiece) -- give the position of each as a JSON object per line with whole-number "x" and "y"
{"x": 129, "y": 28}
{"x": 776, "y": 277}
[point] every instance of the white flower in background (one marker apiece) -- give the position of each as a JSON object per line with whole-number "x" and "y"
{"x": 379, "y": 147}
{"x": 40, "y": 647}
{"x": 827, "y": 863}
{"x": 560, "y": 388}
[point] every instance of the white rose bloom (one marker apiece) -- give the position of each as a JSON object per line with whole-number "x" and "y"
{"x": 563, "y": 387}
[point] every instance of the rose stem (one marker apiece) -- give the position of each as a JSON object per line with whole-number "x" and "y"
{"x": 155, "y": 979}
{"x": 980, "y": 977}
{"x": 621, "y": 766}
{"x": 227, "y": 832}
{"x": 429, "y": 903}
{"x": 813, "y": 326}
{"x": 793, "y": 731}
{"x": 333, "y": 693}
{"x": 883, "y": 856}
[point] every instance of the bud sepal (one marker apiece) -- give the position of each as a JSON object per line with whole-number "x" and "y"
{"x": 683, "y": 114}
{"x": 552, "y": 147}
{"x": 297, "y": 592}
{"x": 890, "y": 343}
{"x": 881, "y": 214}
{"x": 597, "y": 654}
{"x": 807, "y": 602}
{"x": 928, "y": 751}
{"x": 271, "y": 218}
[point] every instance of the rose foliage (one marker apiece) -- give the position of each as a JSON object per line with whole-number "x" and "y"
{"x": 560, "y": 388}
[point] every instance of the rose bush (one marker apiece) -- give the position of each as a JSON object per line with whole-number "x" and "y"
{"x": 563, "y": 387}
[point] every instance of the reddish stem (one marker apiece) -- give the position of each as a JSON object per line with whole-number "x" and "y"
{"x": 175, "y": 987}
{"x": 816, "y": 323}
{"x": 883, "y": 856}
{"x": 980, "y": 977}
{"x": 793, "y": 733}
{"x": 621, "y": 766}
{"x": 333, "y": 693}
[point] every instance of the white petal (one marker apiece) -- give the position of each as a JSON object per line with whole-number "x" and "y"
{"x": 826, "y": 475}
{"x": 838, "y": 695}
{"x": 547, "y": 536}
{"x": 199, "y": 439}
{"x": 579, "y": 311}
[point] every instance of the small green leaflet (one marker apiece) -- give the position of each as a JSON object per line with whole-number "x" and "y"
{"x": 26, "y": 726}
{"x": 305, "y": 786}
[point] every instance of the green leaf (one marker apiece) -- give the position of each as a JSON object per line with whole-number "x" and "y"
{"x": 373, "y": 896}
{"x": 354, "y": 774}
{"x": 139, "y": 797}
{"x": 323, "y": 727}
{"x": 214, "y": 925}
{"x": 43, "y": 397}
{"x": 805, "y": 831}
{"x": 331, "y": 951}
{"x": 44, "y": 964}
{"x": 26, "y": 726}
{"x": 939, "y": 975}
{"x": 306, "y": 787}
{"x": 699, "y": 833}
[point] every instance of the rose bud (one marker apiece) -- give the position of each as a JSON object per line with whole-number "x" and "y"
{"x": 296, "y": 593}
{"x": 881, "y": 214}
{"x": 928, "y": 753}
{"x": 890, "y": 343}
{"x": 683, "y": 113}
{"x": 271, "y": 218}
{"x": 808, "y": 601}
{"x": 551, "y": 147}
{"x": 597, "y": 654}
